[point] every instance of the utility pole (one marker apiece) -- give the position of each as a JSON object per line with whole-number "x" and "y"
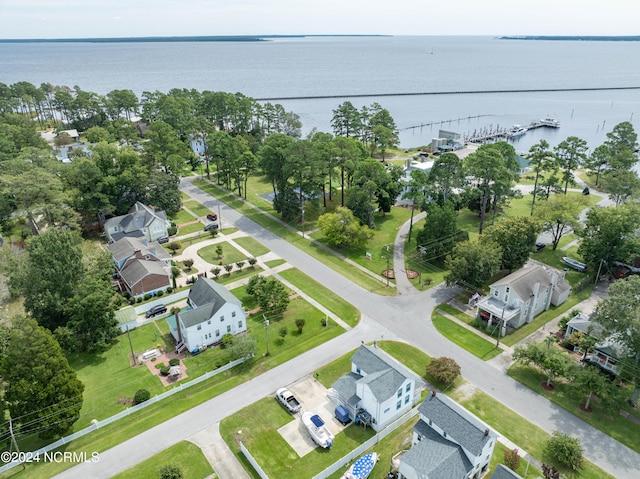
{"x": 131, "y": 346}
{"x": 13, "y": 440}
{"x": 500, "y": 325}
{"x": 422, "y": 251}
{"x": 388, "y": 260}
{"x": 266, "y": 329}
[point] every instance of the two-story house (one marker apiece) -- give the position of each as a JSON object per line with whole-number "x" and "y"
{"x": 519, "y": 297}
{"x": 141, "y": 267}
{"x": 212, "y": 312}
{"x": 378, "y": 389}
{"x": 141, "y": 222}
{"x": 448, "y": 443}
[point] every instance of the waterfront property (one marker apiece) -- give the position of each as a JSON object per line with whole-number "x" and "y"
{"x": 448, "y": 443}
{"x": 378, "y": 389}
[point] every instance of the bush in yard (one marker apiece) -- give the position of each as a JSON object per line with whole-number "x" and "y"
{"x": 511, "y": 459}
{"x": 252, "y": 261}
{"x": 566, "y": 450}
{"x": 141, "y": 396}
{"x": 227, "y": 339}
{"x": 175, "y": 246}
{"x": 283, "y": 331}
{"x": 169, "y": 289}
{"x": 216, "y": 271}
{"x": 240, "y": 265}
{"x": 170, "y": 472}
{"x": 160, "y": 293}
{"x": 188, "y": 263}
{"x": 160, "y": 365}
{"x": 139, "y": 299}
{"x": 147, "y": 296}
{"x": 228, "y": 268}
{"x": 164, "y": 371}
{"x": 172, "y": 230}
{"x": 300, "y": 324}
{"x": 174, "y": 362}
{"x": 445, "y": 370}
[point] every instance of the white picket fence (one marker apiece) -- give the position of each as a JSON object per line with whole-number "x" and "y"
{"x": 344, "y": 461}
{"x": 127, "y": 412}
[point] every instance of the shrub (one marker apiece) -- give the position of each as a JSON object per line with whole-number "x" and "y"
{"x": 227, "y": 339}
{"x": 511, "y": 459}
{"x": 147, "y": 296}
{"x": 188, "y": 263}
{"x": 216, "y": 271}
{"x": 252, "y": 261}
{"x": 169, "y": 289}
{"x": 566, "y": 450}
{"x": 141, "y": 396}
{"x": 228, "y": 268}
{"x": 445, "y": 370}
{"x": 300, "y": 325}
{"x": 172, "y": 230}
{"x": 171, "y": 472}
{"x": 160, "y": 365}
{"x": 283, "y": 331}
{"x": 175, "y": 246}
{"x": 164, "y": 371}
{"x": 160, "y": 293}
{"x": 139, "y": 299}
{"x": 240, "y": 265}
{"x": 174, "y": 362}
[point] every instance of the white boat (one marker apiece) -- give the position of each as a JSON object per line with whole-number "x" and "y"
{"x": 516, "y": 131}
{"x": 550, "y": 122}
{"x": 575, "y": 264}
{"x": 362, "y": 467}
{"x": 319, "y": 433}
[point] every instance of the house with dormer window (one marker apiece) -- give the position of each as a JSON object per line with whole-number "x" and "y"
{"x": 448, "y": 443}
{"x": 142, "y": 222}
{"x": 212, "y": 311}
{"x": 378, "y": 389}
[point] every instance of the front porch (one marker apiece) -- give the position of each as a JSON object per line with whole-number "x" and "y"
{"x": 604, "y": 360}
{"x": 493, "y": 310}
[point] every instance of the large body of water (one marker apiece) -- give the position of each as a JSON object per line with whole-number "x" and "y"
{"x": 343, "y": 66}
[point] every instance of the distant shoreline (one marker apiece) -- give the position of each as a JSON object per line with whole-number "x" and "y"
{"x": 579, "y": 38}
{"x": 214, "y": 38}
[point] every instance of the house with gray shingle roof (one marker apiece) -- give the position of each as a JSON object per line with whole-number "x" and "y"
{"x": 212, "y": 312}
{"x": 503, "y": 472}
{"x": 519, "y": 297}
{"x": 448, "y": 443}
{"x": 142, "y": 267}
{"x": 142, "y": 222}
{"x": 378, "y": 389}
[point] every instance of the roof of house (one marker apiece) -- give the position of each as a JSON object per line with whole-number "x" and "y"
{"x": 457, "y": 422}
{"x": 384, "y": 384}
{"x": 524, "y": 280}
{"x": 206, "y": 297}
{"x": 136, "y": 270}
{"x": 370, "y": 359}
{"x": 139, "y": 217}
{"x": 346, "y": 387}
{"x": 434, "y": 457}
{"x": 503, "y": 472}
{"x": 126, "y": 247}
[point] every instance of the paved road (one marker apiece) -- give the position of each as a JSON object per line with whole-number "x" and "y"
{"x": 403, "y": 317}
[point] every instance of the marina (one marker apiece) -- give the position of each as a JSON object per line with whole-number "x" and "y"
{"x": 490, "y": 134}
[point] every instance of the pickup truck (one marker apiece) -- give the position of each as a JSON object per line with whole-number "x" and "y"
{"x": 288, "y": 400}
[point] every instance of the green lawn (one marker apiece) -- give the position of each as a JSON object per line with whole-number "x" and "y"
{"x": 322, "y": 295}
{"x": 274, "y": 262}
{"x": 190, "y": 228}
{"x": 196, "y": 208}
{"x": 602, "y": 418}
{"x": 520, "y": 431}
{"x": 359, "y": 277}
{"x": 252, "y": 246}
{"x": 182, "y": 216}
{"x": 185, "y": 455}
{"x": 235, "y": 275}
{"x": 230, "y": 254}
{"x": 464, "y": 338}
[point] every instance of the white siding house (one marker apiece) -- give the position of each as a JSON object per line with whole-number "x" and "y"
{"x": 141, "y": 222}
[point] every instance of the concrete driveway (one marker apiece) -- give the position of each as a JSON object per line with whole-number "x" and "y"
{"x": 313, "y": 397}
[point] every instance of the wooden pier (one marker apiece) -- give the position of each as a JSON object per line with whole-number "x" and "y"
{"x": 489, "y": 134}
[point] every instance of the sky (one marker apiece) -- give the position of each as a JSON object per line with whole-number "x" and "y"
{"x": 21, "y": 19}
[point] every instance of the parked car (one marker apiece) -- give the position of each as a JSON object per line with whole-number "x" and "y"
{"x": 211, "y": 227}
{"x": 164, "y": 239}
{"x": 540, "y": 246}
{"x": 212, "y": 216}
{"x": 157, "y": 309}
{"x": 288, "y": 400}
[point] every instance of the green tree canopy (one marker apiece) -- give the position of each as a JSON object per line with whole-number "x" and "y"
{"x": 342, "y": 228}
{"x": 440, "y": 232}
{"x": 517, "y": 237}
{"x": 473, "y": 262}
{"x": 271, "y": 294}
{"x": 551, "y": 360}
{"x": 559, "y": 216}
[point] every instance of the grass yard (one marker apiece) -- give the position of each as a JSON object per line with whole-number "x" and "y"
{"x": 274, "y": 262}
{"x": 252, "y": 246}
{"x": 196, "y": 208}
{"x": 520, "y": 431}
{"x": 564, "y": 395}
{"x": 464, "y": 338}
{"x": 182, "y": 216}
{"x": 185, "y": 455}
{"x": 190, "y": 228}
{"x": 186, "y": 242}
{"x": 236, "y": 274}
{"x": 359, "y": 277}
{"x": 230, "y": 254}
{"x": 322, "y": 295}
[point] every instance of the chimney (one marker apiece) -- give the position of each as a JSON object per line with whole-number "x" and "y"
{"x": 486, "y": 432}
{"x": 433, "y": 393}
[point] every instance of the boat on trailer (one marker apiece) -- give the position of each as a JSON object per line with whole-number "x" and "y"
{"x": 318, "y": 431}
{"x": 362, "y": 467}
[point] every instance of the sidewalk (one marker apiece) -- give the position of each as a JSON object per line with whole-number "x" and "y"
{"x": 219, "y": 455}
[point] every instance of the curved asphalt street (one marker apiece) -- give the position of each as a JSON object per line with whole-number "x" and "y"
{"x": 404, "y": 317}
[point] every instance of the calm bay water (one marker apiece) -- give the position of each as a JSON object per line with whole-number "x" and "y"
{"x": 369, "y": 65}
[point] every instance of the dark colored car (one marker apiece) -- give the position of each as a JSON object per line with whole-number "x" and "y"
{"x": 212, "y": 216}
{"x": 540, "y": 246}
{"x": 157, "y": 309}
{"x": 211, "y": 227}
{"x": 164, "y": 239}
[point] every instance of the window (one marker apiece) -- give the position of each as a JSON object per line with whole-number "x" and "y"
{"x": 398, "y": 405}
{"x": 228, "y": 328}
{"x": 495, "y": 293}
{"x": 209, "y": 335}
{"x": 357, "y": 370}
{"x": 199, "y": 327}
{"x": 222, "y": 318}
{"x": 406, "y": 399}
{"x": 408, "y": 387}
{"x": 217, "y": 333}
{"x": 233, "y": 314}
{"x": 400, "y": 392}
{"x": 444, "y": 434}
{"x": 240, "y": 324}
{"x": 209, "y": 322}
{"x": 507, "y": 289}
{"x": 430, "y": 422}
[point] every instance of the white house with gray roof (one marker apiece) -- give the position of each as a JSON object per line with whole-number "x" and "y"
{"x": 519, "y": 297}
{"x": 141, "y": 222}
{"x": 212, "y": 312}
{"x": 503, "y": 472}
{"x": 378, "y": 389}
{"x": 448, "y": 443}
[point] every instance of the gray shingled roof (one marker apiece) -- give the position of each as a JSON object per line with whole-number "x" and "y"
{"x": 205, "y": 291}
{"x": 138, "y": 269}
{"x": 503, "y": 472}
{"x": 372, "y": 360}
{"x": 434, "y": 457}
{"x": 198, "y": 315}
{"x": 457, "y": 422}
{"x": 523, "y": 280}
{"x": 126, "y": 247}
{"x": 346, "y": 387}
{"x": 384, "y": 384}
{"x": 130, "y": 224}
